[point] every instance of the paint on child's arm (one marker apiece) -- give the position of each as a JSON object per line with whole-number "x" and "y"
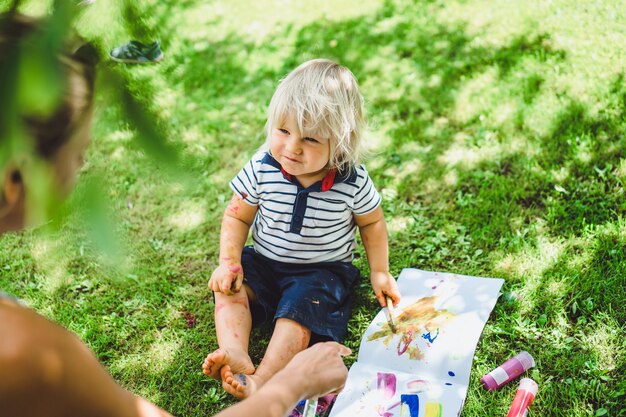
{"x": 233, "y": 206}
{"x": 234, "y": 268}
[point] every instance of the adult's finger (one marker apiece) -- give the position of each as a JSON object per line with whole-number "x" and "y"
{"x": 342, "y": 350}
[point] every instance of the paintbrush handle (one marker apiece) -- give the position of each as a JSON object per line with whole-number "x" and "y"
{"x": 389, "y": 305}
{"x": 392, "y": 323}
{"x": 310, "y": 407}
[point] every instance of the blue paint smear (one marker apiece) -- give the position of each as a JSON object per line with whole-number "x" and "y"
{"x": 429, "y": 337}
{"x": 413, "y": 402}
{"x": 449, "y": 383}
{"x": 451, "y": 373}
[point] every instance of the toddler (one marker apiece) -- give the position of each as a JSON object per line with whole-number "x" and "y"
{"x": 304, "y": 194}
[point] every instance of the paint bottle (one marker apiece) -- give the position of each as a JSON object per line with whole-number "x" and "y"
{"x": 524, "y": 397}
{"x": 508, "y": 371}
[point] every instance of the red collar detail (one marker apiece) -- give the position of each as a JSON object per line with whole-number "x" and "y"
{"x": 329, "y": 180}
{"x": 286, "y": 174}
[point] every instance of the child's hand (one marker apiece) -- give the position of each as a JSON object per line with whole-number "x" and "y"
{"x": 227, "y": 278}
{"x": 385, "y": 285}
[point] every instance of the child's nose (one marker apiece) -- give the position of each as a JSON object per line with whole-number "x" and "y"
{"x": 293, "y": 144}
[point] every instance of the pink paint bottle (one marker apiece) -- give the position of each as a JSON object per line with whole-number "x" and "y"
{"x": 524, "y": 397}
{"x": 508, "y": 371}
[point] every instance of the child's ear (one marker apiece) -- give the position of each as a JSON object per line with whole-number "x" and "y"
{"x": 12, "y": 185}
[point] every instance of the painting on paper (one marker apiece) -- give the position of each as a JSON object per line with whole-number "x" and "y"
{"x": 423, "y": 368}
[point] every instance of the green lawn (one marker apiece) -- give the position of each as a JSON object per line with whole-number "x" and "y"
{"x": 498, "y": 142}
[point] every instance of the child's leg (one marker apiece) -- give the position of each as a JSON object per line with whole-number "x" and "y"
{"x": 289, "y": 338}
{"x": 232, "y": 325}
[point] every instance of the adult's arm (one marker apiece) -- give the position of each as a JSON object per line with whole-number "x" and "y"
{"x": 47, "y": 371}
{"x": 314, "y": 372}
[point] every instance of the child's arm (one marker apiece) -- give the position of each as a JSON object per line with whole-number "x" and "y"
{"x": 238, "y": 218}
{"x": 373, "y": 231}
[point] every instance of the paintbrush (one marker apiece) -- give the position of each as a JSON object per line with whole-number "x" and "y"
{"x": 310, "y": 407}
{"x": 392, "y": 325}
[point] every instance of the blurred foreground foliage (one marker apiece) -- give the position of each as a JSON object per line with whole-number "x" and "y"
{"x": 32, "y": 85}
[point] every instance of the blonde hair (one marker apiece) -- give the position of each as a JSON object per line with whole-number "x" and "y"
{"x": 324, "y": 99}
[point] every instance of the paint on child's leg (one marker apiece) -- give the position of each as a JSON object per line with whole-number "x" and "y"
{"x": 241, "y": 301}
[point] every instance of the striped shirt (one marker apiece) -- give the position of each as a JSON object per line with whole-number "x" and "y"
{"x": 304, "y": 225}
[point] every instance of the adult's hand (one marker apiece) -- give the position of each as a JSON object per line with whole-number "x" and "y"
{"x": 313, "y": 372}
{"x": 321, "y": 368}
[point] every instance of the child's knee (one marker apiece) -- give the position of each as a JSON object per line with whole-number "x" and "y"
{"x": 251, "y": 295}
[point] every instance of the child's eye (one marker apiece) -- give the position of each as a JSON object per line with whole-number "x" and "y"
{"x": 283, "y": 131}
{"x": 310, "y": 139}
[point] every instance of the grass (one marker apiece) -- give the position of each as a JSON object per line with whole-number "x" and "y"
{"x": 498, "y": 136}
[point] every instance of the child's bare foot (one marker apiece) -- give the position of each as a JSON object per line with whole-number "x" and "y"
{"x": 240, "y": 385}
{"x": 236, "y": 359}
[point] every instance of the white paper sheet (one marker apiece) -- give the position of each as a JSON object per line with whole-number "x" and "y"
{"x": 423, "y": 369}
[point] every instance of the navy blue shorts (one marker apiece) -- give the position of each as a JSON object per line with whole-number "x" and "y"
{"x": 318, "y": 295}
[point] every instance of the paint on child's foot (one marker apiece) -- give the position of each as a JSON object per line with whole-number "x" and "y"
{"x": 242, "y": 379}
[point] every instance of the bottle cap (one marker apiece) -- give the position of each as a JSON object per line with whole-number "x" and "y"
{"x": 526, "y": 360}
{"x": 529, "y": 385}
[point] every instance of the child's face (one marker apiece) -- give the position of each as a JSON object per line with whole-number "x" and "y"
{"x": 305, "y": 157}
